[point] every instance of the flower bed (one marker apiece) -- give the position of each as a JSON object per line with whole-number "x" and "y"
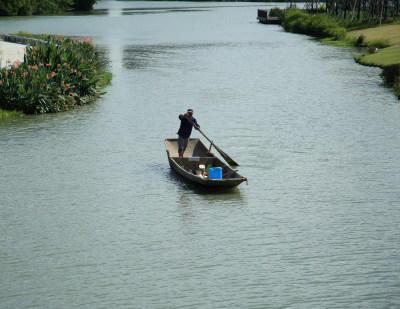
{"x": 57, "y": 76}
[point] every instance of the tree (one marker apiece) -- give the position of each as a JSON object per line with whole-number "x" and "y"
{"x": 84, "y": 5}
{"x": 50, "y": 6}
{"x": 38, "y": 7}
{"x": 11, "y": 7}
{"x": 366, "y": 10}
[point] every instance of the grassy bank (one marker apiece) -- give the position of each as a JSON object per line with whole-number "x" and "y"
{"x": 381, "y": 44}
{"x": 57, "y": 76}
{"x": 386, "y": 38}
{"x": 9, "y": 114}
{"x": 25, "y": 34}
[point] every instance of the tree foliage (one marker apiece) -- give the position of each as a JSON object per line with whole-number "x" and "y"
{"x": 365, "y": 10}
{"x": 12, "y": 7}
{"x": 84, "y": 5}
{"x": 39, "y": 7}
{"x": 391, "y": 77}
{"x": 49, "y": 6}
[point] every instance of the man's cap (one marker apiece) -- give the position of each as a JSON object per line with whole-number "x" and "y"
{"x": 190, "y": 110}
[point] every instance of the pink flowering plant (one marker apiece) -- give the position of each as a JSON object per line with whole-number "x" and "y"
{"x": 57, "y": 76}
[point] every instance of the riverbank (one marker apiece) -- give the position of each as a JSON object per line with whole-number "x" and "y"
{"x": 383, "y": 57}
{"x": 82, "y": 223}
{"x": 386, "y": 57}
{"x": 381, "y": 44}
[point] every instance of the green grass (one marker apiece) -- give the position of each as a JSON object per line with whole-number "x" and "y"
{"x": 353, "y": 25}
{"x": 343, "y": 42}
{"x": 21, "y": 33}
{"x": 385, "y": 38}
{"x": 387, "y": 55}
{"x": 105, "y": 79}
{"x": 4, "y": 114}
{"x": 381, "y": 58}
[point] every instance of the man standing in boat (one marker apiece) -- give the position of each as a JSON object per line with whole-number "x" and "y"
{"x": 185, "y": 130}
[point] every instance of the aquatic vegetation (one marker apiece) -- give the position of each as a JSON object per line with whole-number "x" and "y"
{"x": 57, "y": 76}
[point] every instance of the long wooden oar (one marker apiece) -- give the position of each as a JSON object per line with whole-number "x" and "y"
{"x": 223, "y": 154}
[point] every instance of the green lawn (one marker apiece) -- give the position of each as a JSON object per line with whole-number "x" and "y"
{"x": 386, "y": 56}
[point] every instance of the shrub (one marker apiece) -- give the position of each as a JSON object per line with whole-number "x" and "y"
{"x": 293, "y": 20}
{"x": 390, "y": 73}
{"x": 380, "y": 43}
{"x": 360, "y": 41}
{"x": 84, "y": 5}
{"x": 276, "y": 12}
{"x": 318, "y": 25}
{"x": 391, "y": 77}
{"x": 54, "y": 77}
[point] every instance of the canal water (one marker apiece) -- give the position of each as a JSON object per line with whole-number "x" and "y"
{"x": 91, "y": 215}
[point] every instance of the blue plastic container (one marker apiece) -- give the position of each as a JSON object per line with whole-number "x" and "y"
{"x": 215, "y": 173}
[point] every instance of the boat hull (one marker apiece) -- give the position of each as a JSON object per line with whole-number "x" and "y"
{"x": 197, "y": 154}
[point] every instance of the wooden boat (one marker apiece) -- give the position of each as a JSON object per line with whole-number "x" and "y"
{"x": 197, "y": 154}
